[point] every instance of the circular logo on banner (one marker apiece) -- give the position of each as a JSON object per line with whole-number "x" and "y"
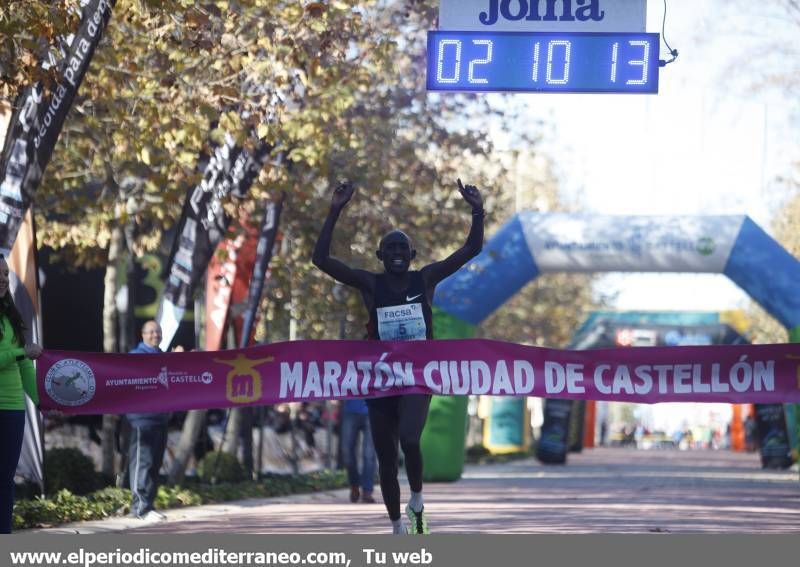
{"x": 207, "y": 377}
{"x": 70, "y": 382}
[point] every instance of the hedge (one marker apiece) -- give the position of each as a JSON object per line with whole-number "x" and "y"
{"x": 66, "y": 507}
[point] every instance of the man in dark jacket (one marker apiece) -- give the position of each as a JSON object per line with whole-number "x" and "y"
{"x": 147, "y": 443}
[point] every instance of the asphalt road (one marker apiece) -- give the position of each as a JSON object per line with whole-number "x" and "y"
{"x": 599, "y": 491}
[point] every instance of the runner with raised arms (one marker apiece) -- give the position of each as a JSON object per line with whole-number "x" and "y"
{"x": 399, "y": 305}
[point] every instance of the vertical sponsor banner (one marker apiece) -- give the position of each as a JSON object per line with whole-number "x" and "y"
{"x": 24, "y": 288}
{"x": 37, "y": 121}
{"x": 230, "y": 171}
{"x": 226, "y": 283}
{"x": 219, "y": 280}
{"x": 266, "y": 244}
{"x": 245, "y": 260}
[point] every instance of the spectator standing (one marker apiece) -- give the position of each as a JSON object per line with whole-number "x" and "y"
{"x": 355, "y": 423}
{"x": 17, "y": 378}
{"x": 147, "y": 443}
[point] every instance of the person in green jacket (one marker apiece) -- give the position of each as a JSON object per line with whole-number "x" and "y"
{"x": 16, "y": 376}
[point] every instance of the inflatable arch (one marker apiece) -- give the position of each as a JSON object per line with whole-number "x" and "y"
{"x": 535, "y": 243}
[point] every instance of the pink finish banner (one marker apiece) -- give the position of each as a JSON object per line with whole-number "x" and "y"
{"x": 89, "y": 383}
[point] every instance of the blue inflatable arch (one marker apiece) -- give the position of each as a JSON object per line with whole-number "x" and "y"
{"x": 534, "y": 243}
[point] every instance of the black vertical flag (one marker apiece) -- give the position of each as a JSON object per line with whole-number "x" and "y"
{"x": 37, "y": 120}
{"x": 266, "y": 243}
{"x": 230, "y": 170}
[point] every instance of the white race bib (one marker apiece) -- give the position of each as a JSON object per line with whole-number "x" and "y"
{"x": 401, "y": 323}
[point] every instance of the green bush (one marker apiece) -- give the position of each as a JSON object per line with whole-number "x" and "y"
{"x": 67, "y": 507}
{"x": 115, "y": 498}
{"x": 220, "y": 467}
{"x": 176, "y": 497}
{"x": 69, "y": 469}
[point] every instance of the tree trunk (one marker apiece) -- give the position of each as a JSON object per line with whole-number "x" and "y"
{"x": 115, "y": 250}
{"x": 247, "y": 440}
{"x": 240, "y": 430}
{"x": 192, "y": 425}
{"x": 232, "y": 429}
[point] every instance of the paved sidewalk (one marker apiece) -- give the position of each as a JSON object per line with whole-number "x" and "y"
{"x": 599, "y": 491}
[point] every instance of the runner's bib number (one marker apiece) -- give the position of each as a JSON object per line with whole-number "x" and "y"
{"x": 401, "y": 323}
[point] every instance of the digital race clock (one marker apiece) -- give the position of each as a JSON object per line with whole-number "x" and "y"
{"x": 543, "y": 62}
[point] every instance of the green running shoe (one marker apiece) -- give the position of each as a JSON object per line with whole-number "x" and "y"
{"x": 419, "y": 524}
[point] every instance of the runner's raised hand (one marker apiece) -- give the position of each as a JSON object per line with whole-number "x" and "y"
{"x": 342, "y": 194}
{"x": 471, "y": 195}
